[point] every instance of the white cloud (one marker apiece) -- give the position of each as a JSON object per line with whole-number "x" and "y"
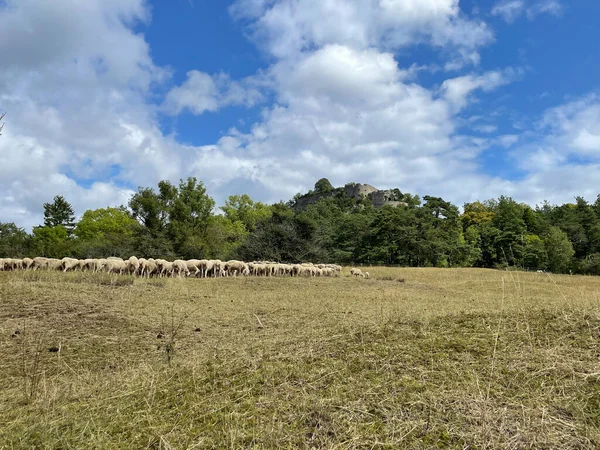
{"x": 485, "y": 128}
{"x": 202, "y": 92}
{"x": 508, "y": 140}
{"x": 353, "y": 115}
{"x": 561, "y": 158}
{"x": 77, "y": 106}
{"x": 38, "y": 35}
{"x": 552, "y": 7}
{"x": 575, "y": 127}
{"x": 287, "y": 27}
{"x": 511, "y": 10}
{"x": 457, "y": 90}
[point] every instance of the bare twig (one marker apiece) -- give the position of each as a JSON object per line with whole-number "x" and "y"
{"x": 174, "y": 329}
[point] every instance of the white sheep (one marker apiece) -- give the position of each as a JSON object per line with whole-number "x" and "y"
{"x": 133, "y": 265}
{"x": 180, "y": 267}
{"x": 356, "y": 272}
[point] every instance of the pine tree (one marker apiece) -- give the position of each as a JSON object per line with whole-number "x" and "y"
{"x": 59, "y": 212}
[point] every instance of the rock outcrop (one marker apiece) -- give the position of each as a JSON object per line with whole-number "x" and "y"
{"x": 355, "y": 191}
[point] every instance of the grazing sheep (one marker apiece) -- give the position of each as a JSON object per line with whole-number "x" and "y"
{"x": 192, "y": 267}
{"x": 367, "y": 275}
{"x": 17, "y": 264}
{"x": 328, "y": 272}
{"x": 150, "y": 268}
{"x": 70, "y": 264}
{"x": 257, "y": 269}
{"x": 218, "y": 268}
{"x": 133, "y": 265}
{"x": 115, "y": 266}
{"x": 179, "y": 267}
{"x": 234, "y": 267}
{"x": 167, "y": 269}
{"x": 356, "y": 272}
{"x": 88, "y": 265}
{"x": 143, "y": 265}
{"x": 161, "y": 268}
{"x": 53, "y": 264}
{"x": 286, "y": 269}
{"x": 6, "y": 264}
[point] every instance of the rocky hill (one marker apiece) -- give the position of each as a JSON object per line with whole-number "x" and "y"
{"x": 355, "y": 191}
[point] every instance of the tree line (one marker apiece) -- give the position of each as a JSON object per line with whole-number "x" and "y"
{"x": 180, "y": 221}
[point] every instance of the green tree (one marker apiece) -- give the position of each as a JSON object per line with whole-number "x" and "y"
{"x": 468, "y": 252}
{"x": 590, "y": 265}
{"x": 323, "y": 186}
{"x": 52, "y": 242}
{"x": 150, "y": 209}
{"x": 59, "y": 213}
{"x": 97, "y": 223}
{"x": 576, "y": 220}
{"x": 534, "y": 221}
{"x": 190, "y": 209}
{"x": 176, "y": 214}
{"x": 226, "y": 236}
{"x": 440, "y": 232}
{"x": 14, "y": 241}
{"x": 488, "y": 236}
{"x": 348, "y": 236}
{"x": 284, "y": 236}
{"x": 508, "y": 219}
{"x": 560, "y": 250}
{"x": 106, "y": 232}
{"x": 476, "y": 213}
{"x": 535, "y": 256}
{"x": 241, "y": 208}
{"x": 393, "y": 238}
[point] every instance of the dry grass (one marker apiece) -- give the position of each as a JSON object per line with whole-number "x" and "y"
{"x": 449, "y": 358}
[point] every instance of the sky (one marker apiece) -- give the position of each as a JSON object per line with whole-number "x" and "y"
{"x": 465, "y": 100}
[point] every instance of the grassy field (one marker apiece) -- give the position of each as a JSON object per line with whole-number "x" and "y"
{"x": 412, "y": 358}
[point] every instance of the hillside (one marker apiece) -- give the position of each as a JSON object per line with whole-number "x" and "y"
{"x": 353, "y": 191}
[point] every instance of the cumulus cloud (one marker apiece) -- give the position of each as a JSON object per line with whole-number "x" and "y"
{"x": 287, "y": 27}
{"x": 561, "y": 157}
{"x": 575, "y": 127}
{"x": 202, "y": 92}
{"x": 48, "y": 35}
{"x": 353, "y": 114}
{"x": 457, "y": 90}
{"x": 78, "y": 123}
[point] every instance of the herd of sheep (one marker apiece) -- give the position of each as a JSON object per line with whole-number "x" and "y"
{"x": 201, "y": 268}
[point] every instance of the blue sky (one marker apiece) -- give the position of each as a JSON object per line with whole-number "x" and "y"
{"x": 460, "y": 99}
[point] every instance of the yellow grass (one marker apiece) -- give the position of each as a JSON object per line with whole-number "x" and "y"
{"x": 411, "y": 358}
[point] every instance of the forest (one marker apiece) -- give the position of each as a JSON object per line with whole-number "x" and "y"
{"x": 181, "y": 221}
